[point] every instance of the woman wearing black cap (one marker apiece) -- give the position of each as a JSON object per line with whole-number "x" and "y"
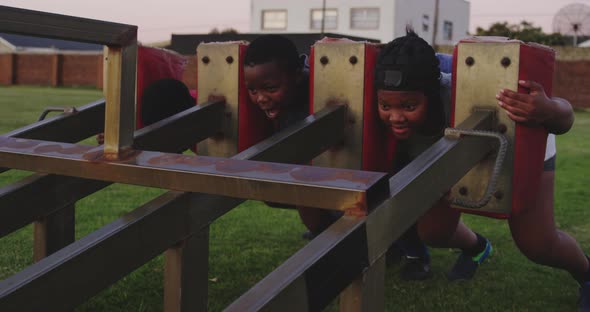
{"x": 414, "y": 102}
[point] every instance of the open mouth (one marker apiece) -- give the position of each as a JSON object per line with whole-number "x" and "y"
{"x": 400, "y": 131}
{"x": 272, "y": 113}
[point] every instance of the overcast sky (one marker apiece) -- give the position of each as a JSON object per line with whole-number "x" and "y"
{"x": 157, "y": 19}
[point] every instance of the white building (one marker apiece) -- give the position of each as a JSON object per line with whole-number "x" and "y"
{"x": 377, "y": 19}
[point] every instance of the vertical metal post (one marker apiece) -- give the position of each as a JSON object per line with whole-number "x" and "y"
{"x": 53, "y": 232}
{"x": 367, "y": 293}
{"x": 120, "y": 66}
{"x": 186, "y": 274}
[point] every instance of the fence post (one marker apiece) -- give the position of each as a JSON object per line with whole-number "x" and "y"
{"x": 56, "y": 64}
{"x": 13, "y": 68}
{"x": 186, "y": 272}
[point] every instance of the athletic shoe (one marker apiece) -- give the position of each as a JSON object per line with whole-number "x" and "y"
{"x": 416, "y": 269}
{"x": 466, "y": 265}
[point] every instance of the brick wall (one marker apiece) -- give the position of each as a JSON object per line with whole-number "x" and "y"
{"x": 571, "y": 81}
{"x": 34, "y": 69}
{"x": 81, "y": 70}
{"x": 6, "y": 69}
{"x": 51, "y": 69}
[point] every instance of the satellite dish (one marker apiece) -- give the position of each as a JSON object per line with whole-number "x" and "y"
{"x": 573, "y": 20}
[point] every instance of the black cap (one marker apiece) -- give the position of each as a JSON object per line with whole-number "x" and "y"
{"x": 407, "y": 63}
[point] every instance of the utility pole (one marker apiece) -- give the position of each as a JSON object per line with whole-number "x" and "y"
{"x": 435, "y": 26}
{"x": 323, "y": 17}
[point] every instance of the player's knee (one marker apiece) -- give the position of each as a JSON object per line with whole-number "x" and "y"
{"x": 436, "y": 234}
{"x": 538, "y": 250}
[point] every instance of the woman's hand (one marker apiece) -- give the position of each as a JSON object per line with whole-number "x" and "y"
{"x": 536, "y": 109}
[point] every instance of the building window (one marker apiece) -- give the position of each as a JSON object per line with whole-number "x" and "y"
{"x": 331, "y": 21}
{"x": 274, "y": 19}
{"x": 448, "y": 30}
{"x": 425, "y": 22}
{"x": 364, "y": 18}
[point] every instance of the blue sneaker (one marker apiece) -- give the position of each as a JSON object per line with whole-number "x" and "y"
{"x": 466, "y": 265}
{"x": 584, "y": 301}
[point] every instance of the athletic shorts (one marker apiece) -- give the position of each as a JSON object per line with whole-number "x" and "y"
{"x": 550, "y": 154}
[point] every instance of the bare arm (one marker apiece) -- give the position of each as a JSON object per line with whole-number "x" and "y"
{"x": 535, "y": 108}
{"x": 563, "y": 118}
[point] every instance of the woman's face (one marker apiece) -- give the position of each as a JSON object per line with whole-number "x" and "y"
{"x": 404, "y": 112}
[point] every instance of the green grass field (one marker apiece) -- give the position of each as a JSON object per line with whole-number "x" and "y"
{"x": 252, "y": 240}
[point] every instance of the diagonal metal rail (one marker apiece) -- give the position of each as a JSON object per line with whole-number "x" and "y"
{"x": 87, "y": 120}
{"x": 113, "y": 251}
{"x": 317, "y": 273}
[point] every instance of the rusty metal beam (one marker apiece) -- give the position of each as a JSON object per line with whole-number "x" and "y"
{"x": 42, "y": 194}
{"x": 43, "y": 24}
{"x": 113, "y": 251}
{"x": 317, "y": 273}
{"x": 288, "y": 184}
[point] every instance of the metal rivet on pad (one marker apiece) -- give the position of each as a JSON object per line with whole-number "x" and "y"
{"x": 505, "y": 61}
{"x": 499, "y": 194}
{"x": 463, "y": 191}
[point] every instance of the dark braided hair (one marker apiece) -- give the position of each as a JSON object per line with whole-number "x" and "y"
{"x": 409, "y": 63}
{"x": 268, "y": 48}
